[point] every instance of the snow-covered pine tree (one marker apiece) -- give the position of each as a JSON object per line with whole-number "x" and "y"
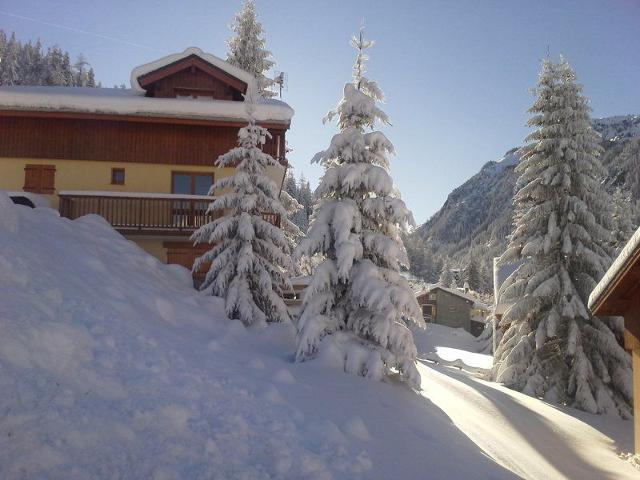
{"x": 250, "y": 257}
{"x": 80, "y": 74}
{"x": 446, "y": 275}
{"x": 91, "y": 78}
{"x": 486, "y": 278}
{"x": 9, "y": 66}
{"x": 623, "y": 218}
{"x": 357, "y": 305}
{"x": 291, "y": 231}
{"x": 471, "y": 274}
{"x": 247, "y": 48}
{"x": 553, "y": 347}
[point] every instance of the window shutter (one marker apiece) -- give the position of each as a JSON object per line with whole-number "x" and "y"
{"x": 32, "y": 174}
{"x": 48, "y": 184}
{"x": 39, "y": 178}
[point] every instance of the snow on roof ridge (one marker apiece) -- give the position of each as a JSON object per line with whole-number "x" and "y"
{"x": 126, "y": 102}
{"x": 460, "y": 293}
{"x": 207, "y": 57}
{"x": 629, "y": 250}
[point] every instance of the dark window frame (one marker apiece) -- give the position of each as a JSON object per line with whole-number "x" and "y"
{"x": 114, "y": 171}
{"x": 193, "y": 176}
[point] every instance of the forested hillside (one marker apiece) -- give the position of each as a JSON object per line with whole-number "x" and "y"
{"x": 473, "y": 223}
{"x": 29, "y": 64}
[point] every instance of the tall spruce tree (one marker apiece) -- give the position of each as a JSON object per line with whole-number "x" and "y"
{"x": 247, "y": 47}
{"x": 250, "y": 257}
{"x": 446, "y": 278}
{"x": 10, "y": 67}
{"x": 553, "y": 347}
{"x": 471, "y": 274}
{"x": 623, "y": 218}
{"x": 357, "y": 304}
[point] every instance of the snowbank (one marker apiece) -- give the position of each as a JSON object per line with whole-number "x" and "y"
{"x": 113, "y": 367}
{"x": 453, "y": 347}
{"x": 534, "y": 439}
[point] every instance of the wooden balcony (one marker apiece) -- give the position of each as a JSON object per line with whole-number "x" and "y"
{"x": 144, "y": 213}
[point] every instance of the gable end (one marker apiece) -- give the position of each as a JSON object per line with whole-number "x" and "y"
{"x": 192, "y": 76}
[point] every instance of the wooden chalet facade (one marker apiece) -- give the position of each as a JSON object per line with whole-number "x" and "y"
{"x": 143, "y": 158}
{"x": 618, "y": 293}
{"x": 452, "y": 308}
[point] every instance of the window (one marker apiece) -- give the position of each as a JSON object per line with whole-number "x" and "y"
{"x": 191, "y": 183}
{"x": 194, "y": 94}
{"x": 39, "y": 178}
{"x": 117, "y": 176}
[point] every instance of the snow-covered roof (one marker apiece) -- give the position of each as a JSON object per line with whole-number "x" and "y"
{"x": 120, "y": 101}
{"x": 232, "y": 70}
{"x": 476, "y": 303}
{"x": 617, "y": 268}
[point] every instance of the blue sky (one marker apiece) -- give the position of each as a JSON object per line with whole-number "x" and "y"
{"x": 457, "y": 73}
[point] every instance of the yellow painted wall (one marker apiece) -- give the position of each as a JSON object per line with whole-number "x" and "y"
{"x": 93, "y": 175}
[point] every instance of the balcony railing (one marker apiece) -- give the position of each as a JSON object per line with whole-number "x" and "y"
{"x": 144, "y": 213}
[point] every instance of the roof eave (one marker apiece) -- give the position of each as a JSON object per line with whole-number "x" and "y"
{"x": 151, "y": 117}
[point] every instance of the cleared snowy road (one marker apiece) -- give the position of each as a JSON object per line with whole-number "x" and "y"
{"x": 533, "y": 439}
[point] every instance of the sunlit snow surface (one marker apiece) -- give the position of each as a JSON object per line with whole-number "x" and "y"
{"x": 111, "y": 366}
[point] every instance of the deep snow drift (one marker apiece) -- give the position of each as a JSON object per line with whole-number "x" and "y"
{"x": 111, "y": 366}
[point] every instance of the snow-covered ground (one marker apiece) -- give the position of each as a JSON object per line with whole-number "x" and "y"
{"x": 111, "y": 366}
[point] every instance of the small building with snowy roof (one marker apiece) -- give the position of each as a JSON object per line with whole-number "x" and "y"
{"x": 143, "y": 158}
{"x": 618, "y": 293}
{"x": 453, "y": 308}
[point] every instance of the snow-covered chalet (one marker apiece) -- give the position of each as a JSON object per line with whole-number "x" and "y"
{"x": 453, "y": 308}
{"x": 143, "y": 158}
{"x": 618, "y": 293}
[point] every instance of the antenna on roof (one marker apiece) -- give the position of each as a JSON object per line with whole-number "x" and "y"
{"x": 281, "y": 79}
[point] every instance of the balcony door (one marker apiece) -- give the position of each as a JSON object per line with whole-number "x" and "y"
{"x": 190, "y": 213}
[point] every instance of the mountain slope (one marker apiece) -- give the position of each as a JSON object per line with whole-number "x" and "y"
{"x": 476, "y": 217}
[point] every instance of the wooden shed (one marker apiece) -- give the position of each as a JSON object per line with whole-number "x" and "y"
{"x": 618, "y": 293}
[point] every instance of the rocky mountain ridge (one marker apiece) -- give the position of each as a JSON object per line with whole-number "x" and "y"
{"x": 475, "y": 219}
